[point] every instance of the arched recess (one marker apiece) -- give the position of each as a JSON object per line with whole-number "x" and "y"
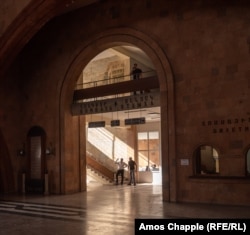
{"x": 101, "y": 42}
{"x": 247, "y": 160}
{"x": 206, "y": 160}
{"x": 36, "y": 165}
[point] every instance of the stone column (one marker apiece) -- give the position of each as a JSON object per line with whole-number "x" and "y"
{"x": 46, "y": 184}
{"x": 23, "y": 183}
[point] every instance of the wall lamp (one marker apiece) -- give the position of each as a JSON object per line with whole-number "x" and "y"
{"x": 21, "y": 151}
{"x": 50, "y": 150}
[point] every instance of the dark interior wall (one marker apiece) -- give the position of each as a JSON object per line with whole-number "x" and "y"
{"x": 207, "y": 45}
{"x": 13, "y": 134}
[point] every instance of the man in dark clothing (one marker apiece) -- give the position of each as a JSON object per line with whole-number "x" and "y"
{"x": 132, "y": 168}
{"x": 136, "y": 74}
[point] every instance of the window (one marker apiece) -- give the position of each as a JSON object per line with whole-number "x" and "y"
{"x": 248, "y": 162}
{"x": 148, "y": 151}
{"x": 207, "y": 160}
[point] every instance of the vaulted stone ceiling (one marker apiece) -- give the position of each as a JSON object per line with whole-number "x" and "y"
{"x": 21, "y": 19}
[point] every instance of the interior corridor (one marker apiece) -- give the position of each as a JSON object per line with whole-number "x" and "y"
{"x": 105, "y": 210}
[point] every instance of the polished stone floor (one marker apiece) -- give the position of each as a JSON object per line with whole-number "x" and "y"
{"x": 105, "y": 210}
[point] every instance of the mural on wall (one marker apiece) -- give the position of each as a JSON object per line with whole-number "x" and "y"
{"x": 106, "y": 68}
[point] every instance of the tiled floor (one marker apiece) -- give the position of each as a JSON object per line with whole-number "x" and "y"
{"x": 102, "y": 210}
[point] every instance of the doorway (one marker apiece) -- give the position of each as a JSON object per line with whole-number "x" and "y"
{"x": 69, "y": 124}
{"x": 108, "y": 136}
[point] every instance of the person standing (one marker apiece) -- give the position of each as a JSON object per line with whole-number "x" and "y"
{"x": 120, "y": 171}
{"x": 132, "y": 169}
{"x": 136, "y": 74}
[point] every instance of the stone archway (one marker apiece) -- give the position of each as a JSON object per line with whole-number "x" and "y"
{"x": 68, "y": 123}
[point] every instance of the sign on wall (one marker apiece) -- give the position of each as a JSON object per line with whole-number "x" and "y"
{"x": 184, "y": 162}
{"x": 135, "y": 121}
{"x": 96, "y": 124}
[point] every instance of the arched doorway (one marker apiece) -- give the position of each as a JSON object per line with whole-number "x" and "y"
{"x": 99, "y": 97}
{"x": 36, "y": 162}
{"x": 68, "y": 123}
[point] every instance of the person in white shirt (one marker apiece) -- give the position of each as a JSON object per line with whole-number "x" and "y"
{"x": 120, "y": 171}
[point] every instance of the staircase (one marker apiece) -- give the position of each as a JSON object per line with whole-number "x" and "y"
{"x": 100, "y": 167}
{"x": 96, "y": 178}
{"x": 98, "y": 171}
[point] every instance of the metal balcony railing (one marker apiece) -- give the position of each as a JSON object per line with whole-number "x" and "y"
{"x": 113, "y": 80}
